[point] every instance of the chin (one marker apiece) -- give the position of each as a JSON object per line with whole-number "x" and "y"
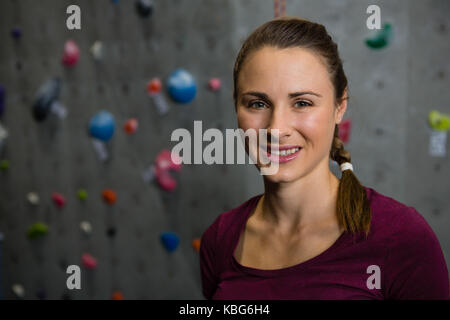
{"x": 283, "y": 175}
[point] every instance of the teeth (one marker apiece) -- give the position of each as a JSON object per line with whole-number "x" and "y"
{"x": 285, "y": 152}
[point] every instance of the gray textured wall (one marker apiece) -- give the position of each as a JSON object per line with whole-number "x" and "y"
{"x": 391, "y": 93}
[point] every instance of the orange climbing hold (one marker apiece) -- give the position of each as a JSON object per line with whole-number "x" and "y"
{"x": 109, "y": 196}
{"x": 131, "y": 126}
{"x": 117, "y": 295}
{"x": 196, "y": 244}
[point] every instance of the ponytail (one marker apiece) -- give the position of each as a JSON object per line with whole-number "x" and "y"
{"x": 352, "y": 205}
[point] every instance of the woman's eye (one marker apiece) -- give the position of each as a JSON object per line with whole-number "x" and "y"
{"x": 257, "y": 105}
{"x": 303, "y": 103}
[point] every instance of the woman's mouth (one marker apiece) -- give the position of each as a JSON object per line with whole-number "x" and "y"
{"x": 282, "y": 154}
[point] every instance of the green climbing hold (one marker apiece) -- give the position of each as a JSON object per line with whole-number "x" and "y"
{"x": 381, "y": 38}
{"x": 82, "y": 194}
{"x": 37, "y": 230}
{"x": 4, "y": 165}
{"x": 439, "y": 121}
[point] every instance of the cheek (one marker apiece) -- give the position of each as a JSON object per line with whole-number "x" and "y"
{"x": 316, "y": 126}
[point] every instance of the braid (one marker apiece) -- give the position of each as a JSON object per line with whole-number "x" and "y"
{"x": 352, "y": 206}
{"x": 338, "y": 153}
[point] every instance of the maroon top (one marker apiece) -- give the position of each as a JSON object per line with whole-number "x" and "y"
{"x": 404, "y": 254}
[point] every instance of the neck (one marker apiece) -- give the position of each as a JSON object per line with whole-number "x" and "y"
{"x": 308, "y": 203}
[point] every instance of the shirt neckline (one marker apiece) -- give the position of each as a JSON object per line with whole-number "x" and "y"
{"x": 282, "y": 271}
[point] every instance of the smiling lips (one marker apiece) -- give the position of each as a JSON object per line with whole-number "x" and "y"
{"x": 284, "y": 154}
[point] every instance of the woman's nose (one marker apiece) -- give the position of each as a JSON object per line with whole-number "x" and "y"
{"x": 280, "y": 120}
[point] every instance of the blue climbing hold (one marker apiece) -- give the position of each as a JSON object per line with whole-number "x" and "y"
{"x": 170, "y": 241}
{"x": 182, "y": 86}
{"x": 102, "y": 125}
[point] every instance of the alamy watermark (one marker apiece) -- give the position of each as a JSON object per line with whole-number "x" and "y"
{"x": 260, "y": 152}
{"x": 74, "y": 20}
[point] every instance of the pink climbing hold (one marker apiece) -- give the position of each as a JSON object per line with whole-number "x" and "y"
{"x": 89, "y": 261}
{"x": 344, "y": 130}
{"x": 214, "y": 84}
{"x": 58, "y": 199}
{"x": 71, "y": 53}
{"x": 163, "y": 165}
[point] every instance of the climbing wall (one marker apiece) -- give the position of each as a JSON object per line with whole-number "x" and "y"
{"x": 132, "y": 232}
{"x": 57, "y": 154}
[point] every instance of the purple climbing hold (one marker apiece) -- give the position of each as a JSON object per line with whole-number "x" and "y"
{"x": 16, "y": 32}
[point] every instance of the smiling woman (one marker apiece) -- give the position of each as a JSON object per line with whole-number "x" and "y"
{"x": 311, "y": 235}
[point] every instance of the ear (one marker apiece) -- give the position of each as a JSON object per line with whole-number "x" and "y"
{"x": 341, "y": 108}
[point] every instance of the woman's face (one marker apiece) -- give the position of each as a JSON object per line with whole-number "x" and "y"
{"x": 289, "y": 90}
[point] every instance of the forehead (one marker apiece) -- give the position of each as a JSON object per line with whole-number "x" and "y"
{"x": 289, "y": 69}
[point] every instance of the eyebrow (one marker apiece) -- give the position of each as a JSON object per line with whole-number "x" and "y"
{"x": 291, "y": 95}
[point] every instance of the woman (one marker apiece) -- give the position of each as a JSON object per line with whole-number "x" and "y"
{"x": 311, "y": 235}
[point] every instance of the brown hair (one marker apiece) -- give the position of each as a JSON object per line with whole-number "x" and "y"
{"x": 352, "y": 206}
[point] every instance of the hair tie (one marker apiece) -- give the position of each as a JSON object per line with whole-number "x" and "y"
{"x": 345, "y": 166}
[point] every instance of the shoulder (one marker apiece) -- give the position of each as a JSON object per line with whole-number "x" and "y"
{"x": 393, "y": 218}
{"x": 414, "y": 266}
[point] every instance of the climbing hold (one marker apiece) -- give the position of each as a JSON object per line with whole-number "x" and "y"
{"x": 196, "y": 244}
{"x": 440, "y": 124}
{"x": 58, "y": 199}
{"x": 170, "y": 241}
{"x": 18, "y": 290}
{"x": 3, "y": 136}
{"x": 438, "y": 140}
{"x": 439, "y": 121}
{"x": 2, "y": 99}
{"x": 33, "y": 198}
{"x": 161, "y": 168}
{"x": 166, "y": 181}
{"x": 131, "y": 126}
{"x": 117, "y": 295}
{"x": 154, "y": 86}
{"x": 97, "y": 50}
{"x": 71, "y": 53}
{"x": 344, "y": 130}
{"x": 101, "y": 128}
{"x": 154, "y": 91}
{"x": 47, "y": 100}
{"x": 16, "y": 33}
{"x": 382, "y": 38}
{"x": 163, "y": 164}
{"x": 4, "y": 165}
{"x": 109, "y": 196}
{"x": 102, "y": 125}
{"x": 214, "y": 84}
{"x": 82, "y": 194}
{"x": 89, "y": 261}
{"x": 144, "y": 8}
{"x": 66, "y": 296}
{"x": 182, "y": 86}
{"x": 37, "y": 230}
{"x": 86, "y": 227}
{"x": 148, "y": 174}
{"x": 41, "y": 294}
{"x": 111, "y": 232}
